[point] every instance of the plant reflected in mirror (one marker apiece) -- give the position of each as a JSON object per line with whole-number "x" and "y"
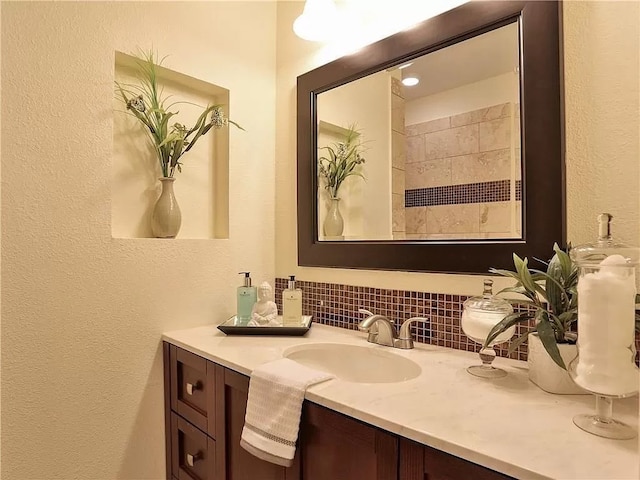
{"x": 341, "y": 161}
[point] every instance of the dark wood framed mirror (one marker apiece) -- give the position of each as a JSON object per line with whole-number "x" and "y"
{"x": 535, "y": 188}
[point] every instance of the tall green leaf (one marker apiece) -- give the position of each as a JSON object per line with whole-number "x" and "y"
{"x": 565, "y": 261}
{"x": 506, "y": 323}
{"x": 513, "y": 345}
{"x": 505, "y": 273}
{"x": 553, "y": 287}
{"x": 548, "y": 339}
{"x": 523, "y": 273}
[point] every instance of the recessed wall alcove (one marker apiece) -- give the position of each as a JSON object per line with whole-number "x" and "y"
{"x": 202, "y": 188}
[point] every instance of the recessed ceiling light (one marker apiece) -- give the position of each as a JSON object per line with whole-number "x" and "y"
{"x": 405, "y": 65}
{"x": 410, "y": 81}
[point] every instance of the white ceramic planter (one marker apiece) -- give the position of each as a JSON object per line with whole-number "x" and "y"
{"x": 544, "y": 372}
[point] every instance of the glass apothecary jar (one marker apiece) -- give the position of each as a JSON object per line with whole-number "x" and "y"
{"x": 605, "y": 365}
{"x": 479, "y": 316}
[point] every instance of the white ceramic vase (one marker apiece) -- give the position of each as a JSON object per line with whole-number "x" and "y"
{"x": 333, "y": 222}
{"x": 166, "y": 217}
{"x": 546, "y": 374}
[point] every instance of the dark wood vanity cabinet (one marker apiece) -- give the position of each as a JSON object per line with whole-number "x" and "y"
{"x": 334, "y": 447}
{"x": 205, "y": 406}
{"x": 189, "y": 382}
{"x": 418, "y": 462}
{"x": 235, "y": 463}
{"x": 204, "y": 409}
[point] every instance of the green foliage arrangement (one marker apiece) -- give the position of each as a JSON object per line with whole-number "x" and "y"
{"x": 553, "y": 296}
{"x": 146, "y": 103}
{"x": 343, "y": 158}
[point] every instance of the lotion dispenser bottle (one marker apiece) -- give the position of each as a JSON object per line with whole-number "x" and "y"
{"x": 247, "y": 296}
{"x": 292, "y": 304}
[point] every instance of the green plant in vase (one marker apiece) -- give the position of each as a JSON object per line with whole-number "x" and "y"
{"x": 551, "y": 299}
{"x": 171, "y": 140}
{"x": 341, "y": 162}
{"x": 147, "y": 103}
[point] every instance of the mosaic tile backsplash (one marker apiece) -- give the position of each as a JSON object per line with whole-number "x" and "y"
{"x": 337, "y": 305}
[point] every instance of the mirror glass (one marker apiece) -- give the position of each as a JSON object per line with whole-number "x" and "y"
{"x": 438, "y": 160}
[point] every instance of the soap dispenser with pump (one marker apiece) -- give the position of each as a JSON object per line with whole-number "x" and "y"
{"x": 292, "y": 304}
{"x": 246, "y": 297}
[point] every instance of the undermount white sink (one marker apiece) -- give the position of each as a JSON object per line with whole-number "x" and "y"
{"x": 353, "y": 363}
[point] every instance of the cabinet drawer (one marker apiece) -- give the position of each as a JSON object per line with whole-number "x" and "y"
{"x": 192, "y": 389}
{"x": 192, "y": 452}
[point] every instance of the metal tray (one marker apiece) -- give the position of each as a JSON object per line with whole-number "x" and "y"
{"x": 233, "y": 327}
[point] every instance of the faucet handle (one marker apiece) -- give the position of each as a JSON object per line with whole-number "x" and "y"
{"x": 364, "y": 311}
{"x": 404, "y": 339}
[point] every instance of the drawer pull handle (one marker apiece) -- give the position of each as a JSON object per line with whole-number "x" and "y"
{"x": 192, "y": 459}
{"x": 191, "y": 387}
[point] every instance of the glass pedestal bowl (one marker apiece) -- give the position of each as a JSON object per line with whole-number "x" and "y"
{"x": 605, "y": 365}
{"x": 607, "y": 381}
{"x": 479, "y": 316}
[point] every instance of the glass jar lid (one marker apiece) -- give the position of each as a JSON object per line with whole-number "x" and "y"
{"x": 487, "y": 302}
{"x": 592, "y": 254}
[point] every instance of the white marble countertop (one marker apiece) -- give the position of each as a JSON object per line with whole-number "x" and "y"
{"x": 508, "y": 424}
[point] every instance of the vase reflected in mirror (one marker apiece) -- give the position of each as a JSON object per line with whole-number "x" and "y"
{"x": 479, "y": 316}
{"x": 333, "y": 223}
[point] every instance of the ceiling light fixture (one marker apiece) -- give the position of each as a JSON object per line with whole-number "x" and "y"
{"x": 405, "y": 65}
{"x": 411, "y": 80}
{"x": 313, "y": 24}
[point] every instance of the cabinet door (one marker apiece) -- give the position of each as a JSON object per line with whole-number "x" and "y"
{"x": 335, "y": 447}
{"x": 418, "y": 462}
{"x": 232, "y": 461}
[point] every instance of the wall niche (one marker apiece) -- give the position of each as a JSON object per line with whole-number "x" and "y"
{"x": 202, "y": 189}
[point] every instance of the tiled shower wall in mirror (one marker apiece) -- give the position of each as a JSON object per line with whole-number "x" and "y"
{"x": 463, "y": 175}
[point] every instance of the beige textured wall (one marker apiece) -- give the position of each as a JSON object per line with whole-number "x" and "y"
{"x": 83, "y": 313}
{"x": 602, "y": 98}
{"x": 0, "y": 265}
{"x": 601, "y": 84}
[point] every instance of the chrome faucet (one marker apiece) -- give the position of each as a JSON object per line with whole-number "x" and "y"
{"x": 382, "y": 331}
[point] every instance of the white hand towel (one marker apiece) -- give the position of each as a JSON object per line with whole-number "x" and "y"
{"x": 276, "y": 393}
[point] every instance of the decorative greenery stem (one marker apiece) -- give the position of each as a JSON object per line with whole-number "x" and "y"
{"x": 341, "y": 162}
{"x": 147, "y": 104}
